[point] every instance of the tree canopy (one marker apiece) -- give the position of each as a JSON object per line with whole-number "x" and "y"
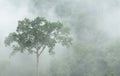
{"x": 32, "y": 35}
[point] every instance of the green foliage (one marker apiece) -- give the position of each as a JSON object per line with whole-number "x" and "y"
{"x": 32, "y": 35}
{"x": 110, "y": 74}
{"x": 58, "y": 68}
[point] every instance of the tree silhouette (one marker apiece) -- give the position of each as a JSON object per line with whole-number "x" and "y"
{"x": 36, "y": 35}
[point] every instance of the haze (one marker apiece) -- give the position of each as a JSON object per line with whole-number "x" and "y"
{"x": 95, "y": 28}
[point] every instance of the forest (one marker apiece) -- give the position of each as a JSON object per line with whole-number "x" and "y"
{"x": 59, "y": 37}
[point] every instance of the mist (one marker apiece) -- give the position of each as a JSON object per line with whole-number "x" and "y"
{"x": 94, "y": 27}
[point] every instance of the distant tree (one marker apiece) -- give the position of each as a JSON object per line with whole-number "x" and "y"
{"x": 36, "y": 35}
{"x": 109, "y": 74}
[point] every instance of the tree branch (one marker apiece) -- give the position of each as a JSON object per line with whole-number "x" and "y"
{"x": 42, "y": 50}
{"x": 37, "y": 49}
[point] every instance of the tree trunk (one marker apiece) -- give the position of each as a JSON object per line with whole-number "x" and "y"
{"x": 37, "y": 65}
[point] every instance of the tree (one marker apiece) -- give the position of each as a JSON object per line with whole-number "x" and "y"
{"x": 36, "y": 35}
{"x": 109, "y": 74}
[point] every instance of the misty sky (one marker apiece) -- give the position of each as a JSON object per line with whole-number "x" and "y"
{"x": 106, "y": 12}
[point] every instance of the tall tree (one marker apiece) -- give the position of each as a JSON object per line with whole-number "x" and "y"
{"x": 36, "y": 35}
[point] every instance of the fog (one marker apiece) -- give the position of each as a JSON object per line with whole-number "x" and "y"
{"x": 95, "y": 29}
